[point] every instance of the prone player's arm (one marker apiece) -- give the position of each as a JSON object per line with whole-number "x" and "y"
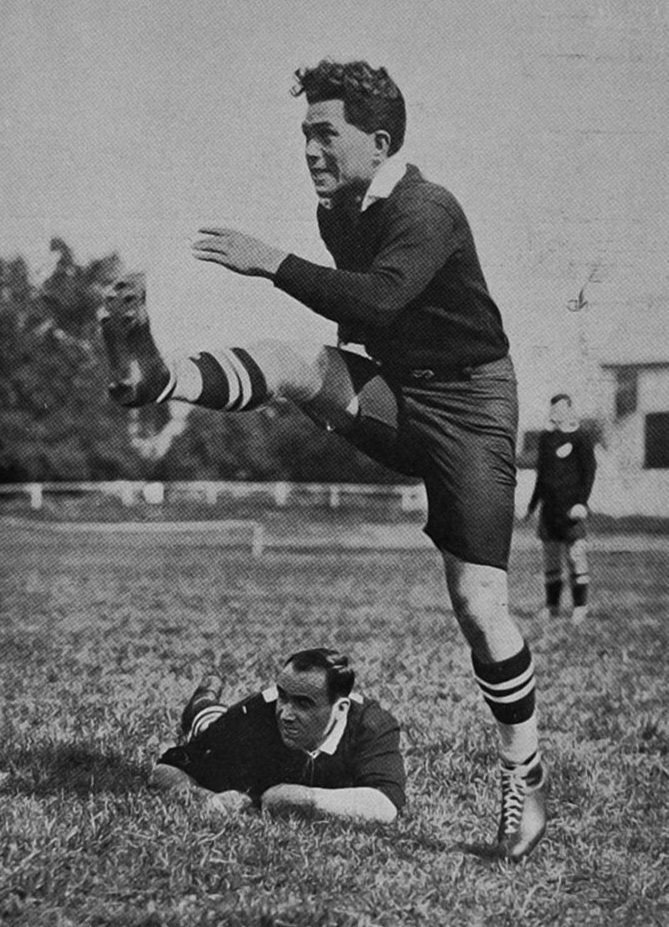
{"x": 354, "y": 803}
{"x": 378, "y": 780}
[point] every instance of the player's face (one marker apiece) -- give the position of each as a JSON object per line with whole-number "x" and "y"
{"x": 560, "y": 413}
{"x": 340, "y": 157}
{"x": 304, "y": 712}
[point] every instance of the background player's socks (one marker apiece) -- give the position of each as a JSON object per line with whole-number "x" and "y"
{"x": 553, "y": 587}
{"x": 579, "y": 591}
{"x": 509, "y": 689}
{"x": 229, "y": 380}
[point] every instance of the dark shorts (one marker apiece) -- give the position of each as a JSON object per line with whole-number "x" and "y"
{"x": 557, "y": 526}
{"x": 459, "y": 434}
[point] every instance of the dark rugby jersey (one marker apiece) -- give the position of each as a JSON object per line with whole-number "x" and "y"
{"x": 243, "y": 750}
{"x": 566, "y": 469}
{"x": 408, "y": 284}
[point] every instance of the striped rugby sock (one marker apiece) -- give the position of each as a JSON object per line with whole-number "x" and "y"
{"x": 204, "y": 718}
{"x": 553, "y": 587}
{"x": 228, "y": 380}
{"x": 509, "y": 689}
{"x": 579, "y": 590}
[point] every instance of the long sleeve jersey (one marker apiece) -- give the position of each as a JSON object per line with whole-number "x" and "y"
{"x": 407, "y": 282}
{"x": 566, "y": 469}
{"x": 243, "y": 750}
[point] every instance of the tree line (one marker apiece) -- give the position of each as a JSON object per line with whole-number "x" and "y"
{"x": 58, "y": 423}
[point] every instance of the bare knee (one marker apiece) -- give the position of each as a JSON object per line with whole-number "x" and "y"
{"x": 480, "y": 600}
{"x": 291, "y": 368}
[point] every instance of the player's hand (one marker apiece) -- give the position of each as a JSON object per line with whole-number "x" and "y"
{"x": 230, "y": 802}
{"x": 285, "y": 797}
{"x": 578, "y": 512}
{"x": 237, "y": 251}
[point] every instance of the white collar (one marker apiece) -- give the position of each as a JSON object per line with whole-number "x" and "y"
{"x": 333, "y": 739}
{"x": 387, "y": 176}
{"x": 384, "y": 182}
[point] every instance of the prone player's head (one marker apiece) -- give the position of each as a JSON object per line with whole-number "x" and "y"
{"x": 560, "y": 411}
{"x": 313, "y": 690}
{"x": 356, "y": 118}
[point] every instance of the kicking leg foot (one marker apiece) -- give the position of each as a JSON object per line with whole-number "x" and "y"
{"x": 139, "y": 374}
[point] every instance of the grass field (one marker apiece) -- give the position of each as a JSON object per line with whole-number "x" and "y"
{"x": 103, "y": 637}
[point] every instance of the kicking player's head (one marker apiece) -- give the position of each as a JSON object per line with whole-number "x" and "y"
{"x": 356, "y": 118}
{"x": 313, "y": 690}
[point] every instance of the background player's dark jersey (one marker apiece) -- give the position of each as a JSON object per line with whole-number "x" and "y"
{"x": 243, "y": 750}
{"x": 566, "y": 468}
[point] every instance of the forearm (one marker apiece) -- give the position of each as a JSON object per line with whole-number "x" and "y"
{"x": 365, "y": 804}
{"x": 588, "y": 470}
{"x": 415, "y": 245}
{"x": 358, "y": 803}
{"x": 535, "y": 497}
{"x": 342, "y": 296}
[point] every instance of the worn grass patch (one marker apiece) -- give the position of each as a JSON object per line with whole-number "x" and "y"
{"x": 102, "y": 641}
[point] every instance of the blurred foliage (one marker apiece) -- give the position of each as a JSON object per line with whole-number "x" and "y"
{"x": 57, "y": 422}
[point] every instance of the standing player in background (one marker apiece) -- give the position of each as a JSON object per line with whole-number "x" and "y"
{"x": 435, "y": 397}
{"x": 566, "y": 469}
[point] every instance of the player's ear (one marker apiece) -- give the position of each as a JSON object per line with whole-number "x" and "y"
{"x": 381, "y": 143}
{"x": 342, "y": 705}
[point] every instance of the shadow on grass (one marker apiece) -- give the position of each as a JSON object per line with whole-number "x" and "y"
{"x": 75, "y": 768}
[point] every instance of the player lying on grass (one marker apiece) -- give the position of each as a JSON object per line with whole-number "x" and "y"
{"x": 434, "y": 397}
{"x": 307, "y": 744}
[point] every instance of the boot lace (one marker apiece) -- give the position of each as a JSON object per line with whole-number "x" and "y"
{"x": 514, "y": 789}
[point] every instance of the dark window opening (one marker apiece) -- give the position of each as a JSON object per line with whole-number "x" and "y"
{"x": 627, "y": 391}
{"x": 657, "y": 441}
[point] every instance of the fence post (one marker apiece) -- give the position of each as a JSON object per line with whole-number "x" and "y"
{"x": 335, "y": 496}
{"x": 281, "y": 493}
{"x": 410, "y": 498}
{"x": 35, "y": 492}
{"x": 154, "y": 493}
{"x": 257, "y": 540}
{"x": 126, "y": 492}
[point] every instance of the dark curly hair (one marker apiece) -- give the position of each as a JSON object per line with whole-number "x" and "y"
{"x": 372, "y": 100}
{"x": 339, "y": 676}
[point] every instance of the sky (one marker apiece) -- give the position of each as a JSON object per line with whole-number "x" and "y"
{"x": 127, "y": 124}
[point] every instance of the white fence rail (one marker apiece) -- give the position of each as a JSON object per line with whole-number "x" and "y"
{"x": 410, "y": 497}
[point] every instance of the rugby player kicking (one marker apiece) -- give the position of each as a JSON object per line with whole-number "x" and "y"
{"x": 435, "y": 397}
{"x": 307, "y": 744}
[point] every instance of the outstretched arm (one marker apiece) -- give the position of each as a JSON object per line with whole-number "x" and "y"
{"x": 168, "y": 778}
{"x": 357, "y": 803}
{"x": 416, "y": 244}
